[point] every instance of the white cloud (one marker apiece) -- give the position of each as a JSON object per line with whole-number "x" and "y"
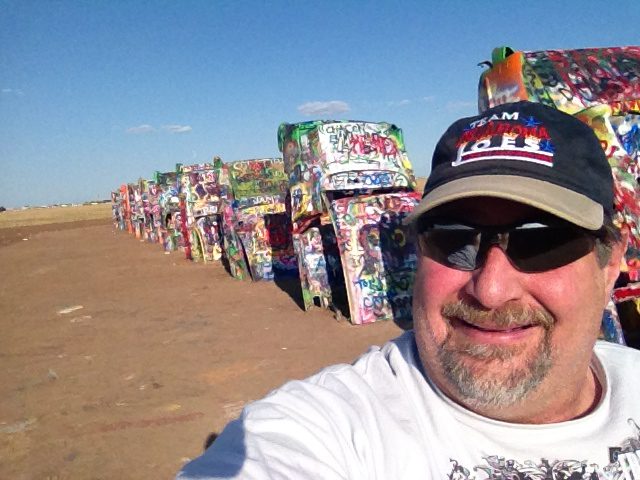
{"x": 324, "y": 108}
{"x": 141, "y": 129}
{"x": 458, "y": 105}
{"x": 404, "y": 102}
{"x": 177, "y": 128}
{"x": 146, "y": 128}
{"x": 12, "y": 91}
{"x": 399, "y": 103}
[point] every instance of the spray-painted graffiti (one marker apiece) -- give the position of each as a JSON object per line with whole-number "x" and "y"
{"x": 151, "y": 210}
{"x": 257, "y": 229}
{"x": 314, "y": 278}
{"x": 577, "y": 79}
{"x": 205, "y": 239}
{"x": 203, "y": 189}
{"x": 354, "y": 146}
{"x": 365, "y": 179}
{"x": 137, "y": 209}
{"x": 570, "y": 80}
{"x": 117, "y": 210}
{"x": 611, "y": 328}
{"x": 122, "y": 213}
{"x": 130, "y": 195}
{"x": 254, "y": 238}
{"x": 258, "y": 177}
{"x": 616, "y": 135}
{"x": 342, "y": 225}
{"x": 234, "y": 252}
{"x": 124, "y": 209}
{"x": 168, "y": 224}
{"x": 322, "y": 155}
{"x": 279, "y": 229}
{"x": 601, "y": 86}
{"x": 378, "y": 259}
{"x": 204, "y": 185}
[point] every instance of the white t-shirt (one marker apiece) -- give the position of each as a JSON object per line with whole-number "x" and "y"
{"x": 380, "y": 418}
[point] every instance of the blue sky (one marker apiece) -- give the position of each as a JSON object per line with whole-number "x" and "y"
{"x": 97, "y": 93}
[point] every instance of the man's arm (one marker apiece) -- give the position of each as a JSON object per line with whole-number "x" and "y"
{"x": 300, "y": 431}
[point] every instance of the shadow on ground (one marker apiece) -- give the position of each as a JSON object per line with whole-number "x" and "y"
{"x": 291, "y": 286}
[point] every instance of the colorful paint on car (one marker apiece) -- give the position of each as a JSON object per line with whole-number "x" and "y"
{"x": 379, "y": 261}
{"x": 169, "y": 221}
{"x": 203, "y": 188}
{"x": 257, "y": 226}
{"x": 137, "y": 208}
{"x": 345, "y": 178}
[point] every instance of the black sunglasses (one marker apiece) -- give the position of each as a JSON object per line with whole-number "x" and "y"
{"x": 531, "y": 246}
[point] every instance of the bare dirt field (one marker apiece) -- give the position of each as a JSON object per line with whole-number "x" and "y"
{"x": 119, "y": 361}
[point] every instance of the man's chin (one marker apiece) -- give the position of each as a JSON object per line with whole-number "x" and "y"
{"x": 494, "y": 375}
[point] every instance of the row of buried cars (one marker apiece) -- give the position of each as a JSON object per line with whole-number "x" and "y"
{"x": 331, "y": 209}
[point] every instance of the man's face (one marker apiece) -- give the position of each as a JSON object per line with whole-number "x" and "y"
{"x": 502, "y": 342}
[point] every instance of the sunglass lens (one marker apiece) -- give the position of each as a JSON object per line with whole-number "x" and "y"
{"x": 541, "y": 249}
{"x": 453, "y": 248}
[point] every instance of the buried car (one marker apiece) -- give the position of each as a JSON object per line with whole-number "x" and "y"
{"x": 351, "y": 185}
{"x": 203, "y": 187}
{"x": 256, "y": 223}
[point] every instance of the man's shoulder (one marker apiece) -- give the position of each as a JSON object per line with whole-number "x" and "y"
{"x": 614, "y": 350}
{"x": 396, "y": 355}
{"x": 617, "y": 358}
{"x": 381, "y": 371}
{"x": 337, "y": 420}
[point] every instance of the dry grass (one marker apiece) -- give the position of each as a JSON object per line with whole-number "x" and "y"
{"x": 45, "y": 216}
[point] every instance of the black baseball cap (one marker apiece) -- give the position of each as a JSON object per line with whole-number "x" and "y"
{"x": 525, "y": 152}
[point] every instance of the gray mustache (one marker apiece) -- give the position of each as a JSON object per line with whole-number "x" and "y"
{"x": 508, "y": 316}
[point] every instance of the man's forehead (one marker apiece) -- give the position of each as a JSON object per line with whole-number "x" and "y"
{"x": 487, "y": 210}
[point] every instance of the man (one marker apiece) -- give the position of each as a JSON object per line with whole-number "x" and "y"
{"x": 500, "y": 377}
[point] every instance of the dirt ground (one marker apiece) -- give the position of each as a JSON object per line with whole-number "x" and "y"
{"x": 119, "y": 361}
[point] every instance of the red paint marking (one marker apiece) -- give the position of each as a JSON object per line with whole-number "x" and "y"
{"x": 149, "y": 422}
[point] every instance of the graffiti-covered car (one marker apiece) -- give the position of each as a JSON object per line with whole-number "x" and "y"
{"x": 124, "y": 207}
{"x": 256, "y": 223}
{"x": 136, "y": 192}
{"x": 351, "y": 184}
{"x": 151, "y": 209}
{"x": 128, "y": 198}
{"x": 203, "y": 187}
{"x": 118, "y": 221}
{"x": 600, "y": 86}
{"x": 118, "y": 210}
{"x": 168, "y": 224}
{"x": 144, "y": 192}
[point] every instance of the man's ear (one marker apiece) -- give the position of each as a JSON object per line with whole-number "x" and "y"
{"x": 612, "y": 268}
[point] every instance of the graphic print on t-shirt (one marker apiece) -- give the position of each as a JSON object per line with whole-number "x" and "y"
{"x": 624, "y": 464}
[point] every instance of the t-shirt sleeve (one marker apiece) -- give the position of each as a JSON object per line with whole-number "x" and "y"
{"x": 302, "y": 431}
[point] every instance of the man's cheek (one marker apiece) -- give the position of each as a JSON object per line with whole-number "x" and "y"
{"x": 437, "y": 283}
{"x": 428, "y": 321}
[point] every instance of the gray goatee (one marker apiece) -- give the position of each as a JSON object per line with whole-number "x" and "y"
{"x": 501, "y": 384}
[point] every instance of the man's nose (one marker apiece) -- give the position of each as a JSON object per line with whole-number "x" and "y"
{"x": 496, "y": 282}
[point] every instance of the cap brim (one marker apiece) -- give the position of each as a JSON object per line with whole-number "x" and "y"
{"x": 548, "y": 197}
